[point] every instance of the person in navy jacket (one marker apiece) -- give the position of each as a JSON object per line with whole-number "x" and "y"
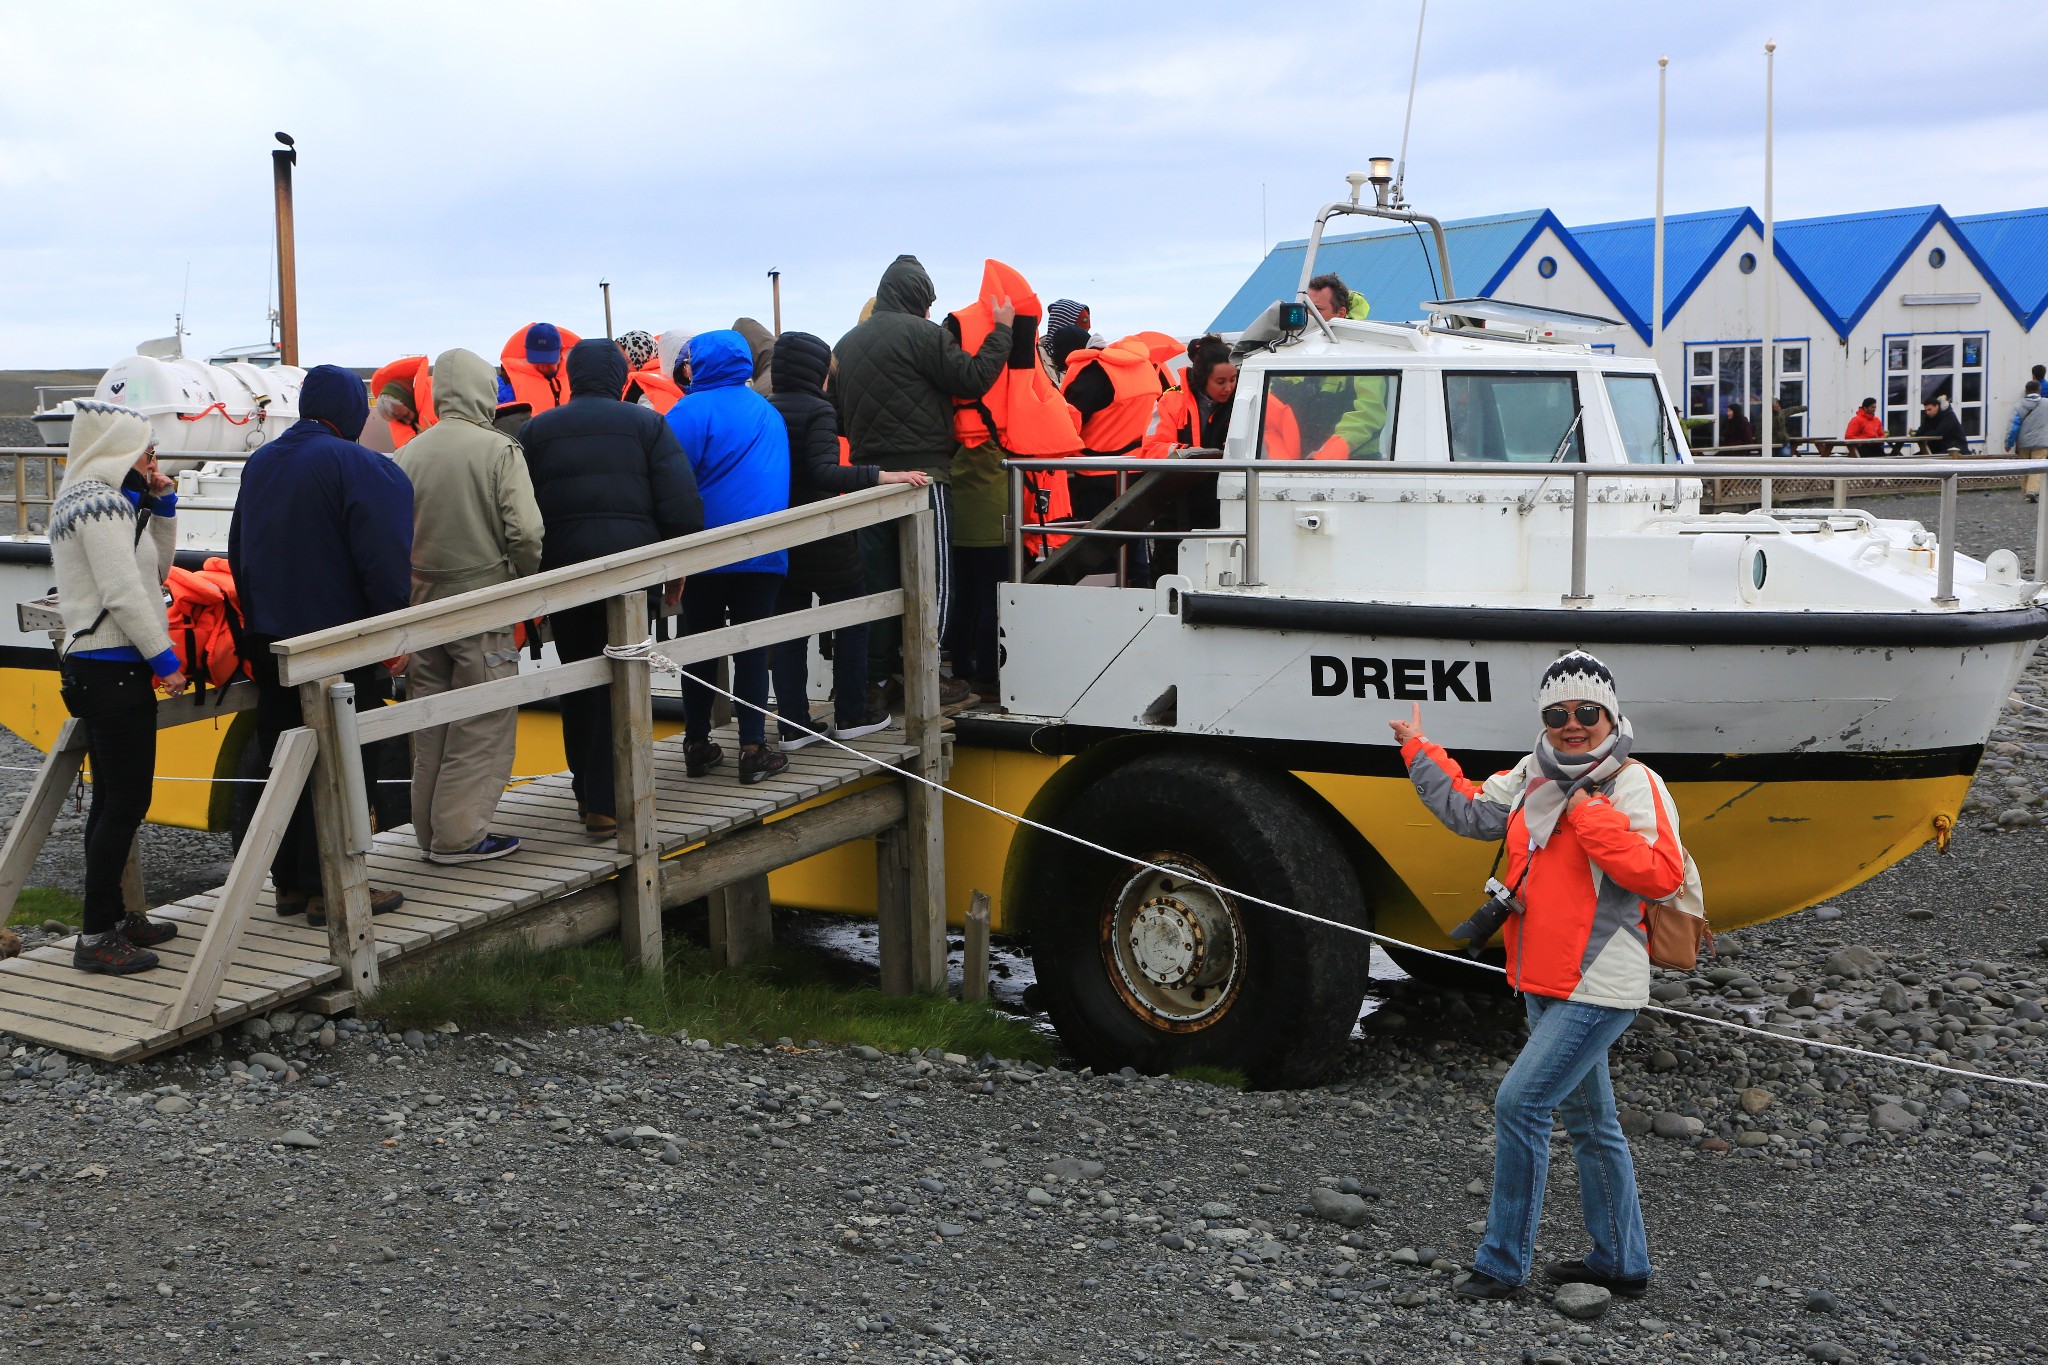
{"x": 738, "y": 448}
{"x": 322, "y": 536}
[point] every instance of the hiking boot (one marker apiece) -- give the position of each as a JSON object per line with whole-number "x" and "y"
{"x": 382, "y": 902}
{"x": 796, "y": 739}
{"x": 292, "y": 902}
{"x": 1478, "y": 1284}
{"x": 953, "y": 692}
{"x": 700, "y": 758}
{"x": 758, "y": 761}
{"x": 876, "y": 719}
{"x": 110, "y": 953}
{"x": 600, "y": 826}
{"x": 482, "y": 851}
{"x": 144, "y": 932}
{"x": 886, "y": 696}
{"x": 1577, "y": 1272}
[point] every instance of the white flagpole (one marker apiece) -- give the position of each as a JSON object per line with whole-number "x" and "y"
{"x": 1770, "y": 255}
{"x": 1657, "y": 240}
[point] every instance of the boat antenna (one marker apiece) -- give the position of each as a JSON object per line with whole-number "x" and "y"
{"x": 1414, "y": 71}
{"x": 184, "y": 306}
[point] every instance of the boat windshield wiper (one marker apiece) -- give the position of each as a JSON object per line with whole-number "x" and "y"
{"x": 1527, "y": 502}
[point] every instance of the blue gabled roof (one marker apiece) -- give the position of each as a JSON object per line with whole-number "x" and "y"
{"x": 2014, "y": 249}
{"x": 1624, "y": 254}
{"x": 1394, "y": 268}
{"x": 1844, "y": 261}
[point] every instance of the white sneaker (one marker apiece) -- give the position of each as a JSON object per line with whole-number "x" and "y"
{"x": 799, "y": 739}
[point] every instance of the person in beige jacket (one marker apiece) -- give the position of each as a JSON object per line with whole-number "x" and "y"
{"x": 475, "y": 524}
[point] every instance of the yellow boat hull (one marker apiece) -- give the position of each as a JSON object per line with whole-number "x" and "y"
{"x": 1764, "y": 849}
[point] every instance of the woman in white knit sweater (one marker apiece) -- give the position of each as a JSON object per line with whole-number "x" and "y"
{"x": 111, "y": 539}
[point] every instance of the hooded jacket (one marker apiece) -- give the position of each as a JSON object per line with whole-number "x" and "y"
{"x": 801, "y": 362}
{"x": 474, "y": 522}
{"x": 607, "y": 475}
{"x": 899, "y": 373}
{"x": 2029, "y": 428}
{"x": 110, "y": 571}
{"x": 322, "y": 532}
{"x": 761, "y": 345}
{"x": 737, "y": 444}
{"x": 1582, "y": 935}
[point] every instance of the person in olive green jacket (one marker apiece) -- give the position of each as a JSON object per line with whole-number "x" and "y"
{"x": 475, "y": 524}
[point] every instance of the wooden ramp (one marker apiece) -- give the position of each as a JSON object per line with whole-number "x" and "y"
{"x": 44, "y": 1000}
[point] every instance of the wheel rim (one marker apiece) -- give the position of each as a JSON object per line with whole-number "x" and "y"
{"x": 1174, "y": 949}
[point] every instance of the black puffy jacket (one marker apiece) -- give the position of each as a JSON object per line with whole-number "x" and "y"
{"x": 899, "y": 374}
{"x": 797, "y": 371}
{"x": 608, "y": 475}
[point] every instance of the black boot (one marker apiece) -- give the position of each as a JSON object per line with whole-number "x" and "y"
{"x": 112, "y": 954}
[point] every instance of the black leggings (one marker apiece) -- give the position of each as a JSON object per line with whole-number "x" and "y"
{"x": 117, "y": 702}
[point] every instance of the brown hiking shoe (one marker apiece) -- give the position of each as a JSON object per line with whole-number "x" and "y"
{"x": 292, "y": 902}
{"x": 699, "y": 759}
{"x": 758, "y": 761}
{"x": 144, "y": 932}
{"x": 600, "y": 826}
{"x": 113, "y": 954}
{"x": 382, "y": 902}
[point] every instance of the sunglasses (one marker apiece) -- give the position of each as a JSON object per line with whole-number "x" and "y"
{"x": 1585, "y": 713}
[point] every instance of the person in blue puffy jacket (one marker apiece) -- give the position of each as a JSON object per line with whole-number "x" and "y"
{"x": 738, "y": 447}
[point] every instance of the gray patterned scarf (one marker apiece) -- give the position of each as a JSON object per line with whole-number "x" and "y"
{"x": 1553, "y": 777}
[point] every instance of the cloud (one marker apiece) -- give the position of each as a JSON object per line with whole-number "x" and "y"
{"x": 467, "y": 168}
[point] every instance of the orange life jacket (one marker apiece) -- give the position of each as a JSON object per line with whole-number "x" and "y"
{"x": 415, "y": 372}
{"x": 529, "y": 385}
{"x": 1120, "y": 428}
{"x": 661, "y": 390}
{"x": 1022, "y": 410}
{"x": 1180, "y": 424}
{"x": 205, "y": 617}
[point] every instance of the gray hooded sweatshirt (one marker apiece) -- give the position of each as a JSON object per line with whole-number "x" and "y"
{"x": 475, "y": 522}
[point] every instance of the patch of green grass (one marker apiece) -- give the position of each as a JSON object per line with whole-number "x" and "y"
{"x": 38, "y": 903}
{"x": 790, "y": 994}
{"x": 1221, "y": 1076}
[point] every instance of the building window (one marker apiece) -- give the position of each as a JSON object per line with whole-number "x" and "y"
{"x": 1547, "y": 267}
{"x": 1727, "y": 376}
{"x": 1747, "y": 265}
{"x": 1937, "y": 258}
{"x": 1945, "y": 365}
{"x": 1499, "y": 415}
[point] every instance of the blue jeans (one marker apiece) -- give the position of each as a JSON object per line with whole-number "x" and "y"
{"x": 1563, "y": 1067}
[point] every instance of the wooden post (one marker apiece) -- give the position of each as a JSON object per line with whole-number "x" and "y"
{"x": 917, "y": 541}
{"x": 974, "y": 958}
{"x": 344, "y": 873}
{"x": 742, "y": 922}
{"x": 38, "y": 812}
{"x": 633, "y": 785}
{"x": 289, "y": 764}
{"x": 892, "y": 905}
{"x": 134, "y": 900}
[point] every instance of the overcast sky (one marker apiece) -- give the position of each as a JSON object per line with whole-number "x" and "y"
{"x": 468, "y": 168}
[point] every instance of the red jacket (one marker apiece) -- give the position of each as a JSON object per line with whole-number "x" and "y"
{"x": 1863, "y": 426}
{"x": 1581, "y": 936}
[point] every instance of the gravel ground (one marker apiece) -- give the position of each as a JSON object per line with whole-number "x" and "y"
{"x": 322, "y": 1190}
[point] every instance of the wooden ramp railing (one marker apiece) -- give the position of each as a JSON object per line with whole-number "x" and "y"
{"x": 657, "y": 816}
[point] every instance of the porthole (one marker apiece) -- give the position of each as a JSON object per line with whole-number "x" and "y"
{"x": 1747, "y": 265}
{"x": 1759, "y": 570}
{"x": 1936, "y": 257}
{"x": 1547, "y": 267}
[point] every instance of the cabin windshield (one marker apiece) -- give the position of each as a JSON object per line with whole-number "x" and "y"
{"x": 1506, "y": 415}
{"x": 1329, "y": 415}
{"x": 1639, "y": 412}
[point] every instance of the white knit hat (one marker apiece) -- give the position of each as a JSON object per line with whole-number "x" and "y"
{"x": 1578, "y": 676}
{"x": 106, "y": 441}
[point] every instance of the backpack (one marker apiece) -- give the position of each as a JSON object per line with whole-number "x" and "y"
{"x": 205, "y": 618}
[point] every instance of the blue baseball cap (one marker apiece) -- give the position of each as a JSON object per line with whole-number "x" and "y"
{"x": 543, "y": 344}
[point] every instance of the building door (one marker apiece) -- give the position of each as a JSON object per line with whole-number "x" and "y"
{"x": 1946, "y": 365}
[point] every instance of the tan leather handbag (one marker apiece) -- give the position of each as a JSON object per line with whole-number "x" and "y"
{"x": 1678, "y": 924}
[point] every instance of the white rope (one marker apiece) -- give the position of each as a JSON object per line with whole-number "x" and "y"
{"x": 2015, "y": 699}
{"x": 645, "y": 652}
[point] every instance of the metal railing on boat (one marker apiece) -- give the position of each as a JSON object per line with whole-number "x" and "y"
{"x": 1947, "y": 473}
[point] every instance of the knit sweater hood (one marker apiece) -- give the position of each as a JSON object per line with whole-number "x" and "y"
{"x": 109, "y": 570}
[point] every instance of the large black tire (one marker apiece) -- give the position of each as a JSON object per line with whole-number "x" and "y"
{"x": 1295, "y": 987}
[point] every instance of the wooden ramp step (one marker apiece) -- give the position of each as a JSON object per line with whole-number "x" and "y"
{"x": 44, "y": 1000}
